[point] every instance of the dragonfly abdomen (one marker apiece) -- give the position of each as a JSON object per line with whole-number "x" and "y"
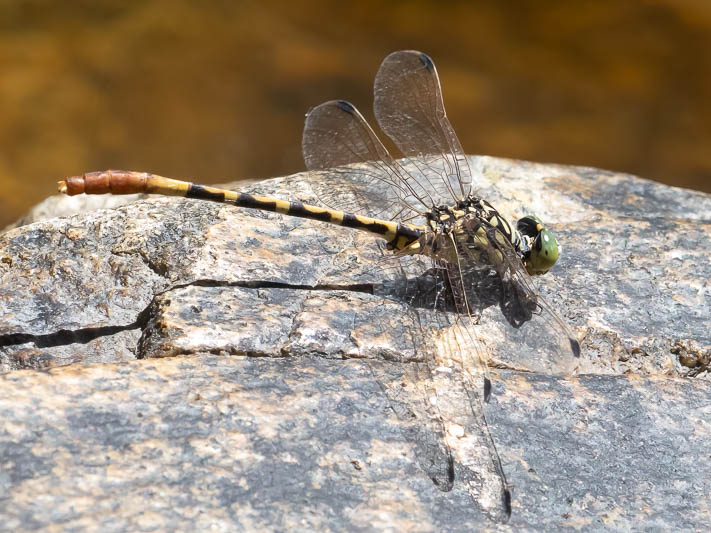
{"x": 128, "y": 182}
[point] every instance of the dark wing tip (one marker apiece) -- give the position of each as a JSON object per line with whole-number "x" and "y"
{"x": 487, "y": 390}
{"x": 575, "y": 346}
{"x": 450, "y": 470}
{"x": 427, "y": 61}
{"x": 345, "y": 106}
{"x": 507, "y": 503}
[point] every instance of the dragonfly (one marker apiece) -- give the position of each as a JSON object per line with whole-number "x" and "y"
{"x": 424, "y": 207}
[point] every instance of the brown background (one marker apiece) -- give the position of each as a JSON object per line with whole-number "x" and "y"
{"x": 216, "y": 91}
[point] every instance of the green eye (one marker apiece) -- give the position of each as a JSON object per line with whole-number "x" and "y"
{"x": 544, "y": 253}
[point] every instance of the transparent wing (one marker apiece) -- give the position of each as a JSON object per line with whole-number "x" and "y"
{"x": 362, "y": 176}
{"x": 535, "y": 336}
{"x": 409, "y": 108}
{"x": 453, "y": 371}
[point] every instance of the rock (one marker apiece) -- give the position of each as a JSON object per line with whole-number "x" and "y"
{"x": 63, "y": 206}
{"x": 235, "y": 369}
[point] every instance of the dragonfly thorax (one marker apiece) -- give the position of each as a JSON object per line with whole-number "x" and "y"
{"x": 465, "y": 229}
{"x": 477, "y": 225}
{"x": 471, "y": 213}
{"x": 479, "y": 251}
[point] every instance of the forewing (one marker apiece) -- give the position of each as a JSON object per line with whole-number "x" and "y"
{"x": 362, "y": 176}
{"x": 409, "y": 108}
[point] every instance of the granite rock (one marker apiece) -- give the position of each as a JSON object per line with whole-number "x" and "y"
{"x": 175, "y": 364}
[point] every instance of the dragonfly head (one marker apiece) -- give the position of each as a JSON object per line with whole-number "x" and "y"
{"x": 543, "y": 251}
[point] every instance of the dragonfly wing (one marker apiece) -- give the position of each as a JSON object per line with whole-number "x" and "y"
{"x": 450, "y": 394}
{"x": 409, "y": 108}
{"x": 535, "y": 336}
{"x": 363, "y": 176}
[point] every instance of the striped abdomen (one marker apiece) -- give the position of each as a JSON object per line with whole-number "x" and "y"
{"x": 398, "y": 236}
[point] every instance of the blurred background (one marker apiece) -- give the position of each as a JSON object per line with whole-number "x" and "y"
{"x": 217, "y": 91}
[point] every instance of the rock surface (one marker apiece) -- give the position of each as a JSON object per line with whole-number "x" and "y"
{"x": 235, "y": 373}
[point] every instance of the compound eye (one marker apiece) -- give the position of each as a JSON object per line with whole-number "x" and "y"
{"x": 544, "y": 253}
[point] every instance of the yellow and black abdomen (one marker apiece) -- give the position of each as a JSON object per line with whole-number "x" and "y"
{"x": 398, "y": 235}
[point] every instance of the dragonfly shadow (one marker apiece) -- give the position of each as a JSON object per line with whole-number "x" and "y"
{"x": 434, "y": 290}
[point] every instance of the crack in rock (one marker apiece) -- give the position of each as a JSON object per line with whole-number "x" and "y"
{"x": 65, "y": 337}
